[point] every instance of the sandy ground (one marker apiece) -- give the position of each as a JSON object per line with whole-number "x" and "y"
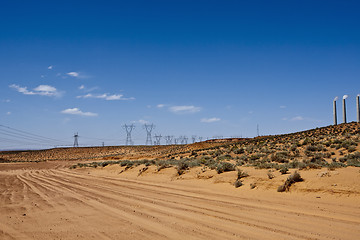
{"x": 50, "y": 201}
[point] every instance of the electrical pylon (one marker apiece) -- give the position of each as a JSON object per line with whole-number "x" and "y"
{"x": 149, "y": 128}
{"x": 76, "y": 142}
{"x": 168, "y": 140}
{"x": 200, "y": 139}
{"x": 193, "y": 137}
{"x": 128, "y": 129}
{"x": 157, "y": 139}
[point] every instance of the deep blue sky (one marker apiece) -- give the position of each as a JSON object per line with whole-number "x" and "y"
{"x": 205, "y": 68}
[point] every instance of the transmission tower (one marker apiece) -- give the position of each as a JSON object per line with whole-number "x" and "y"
{"x": 183, "y": 139}
{"x": 149, "y": 128}
{"x": 128, "y": 129}
{"x": 76, "y": 142}
{"x": 168, "y": 140}
{"x": 200, "y": 139}
{"x": 157, "y": 139}
{"x": 193, "y": 137}
{"x": 176, "y": 140}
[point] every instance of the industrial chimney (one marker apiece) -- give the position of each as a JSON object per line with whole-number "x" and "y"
{"x": 344, "y": 108}
{"x": 334, "y": 110}
{"x": 358, "y": 108}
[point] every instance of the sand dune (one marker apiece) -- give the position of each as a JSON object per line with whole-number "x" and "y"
{"x": 50, "y": 201}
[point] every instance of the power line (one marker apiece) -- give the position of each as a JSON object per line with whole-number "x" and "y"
{"x": 30, "y": 135}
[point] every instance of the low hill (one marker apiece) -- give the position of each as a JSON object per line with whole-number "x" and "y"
{"x": 335, "y": 145}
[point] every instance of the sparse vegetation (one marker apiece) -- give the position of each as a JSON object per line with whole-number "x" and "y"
{"x": 293, "y": 178}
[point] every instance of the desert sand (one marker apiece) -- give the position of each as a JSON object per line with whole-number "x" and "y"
{"x": 50, "y": 201}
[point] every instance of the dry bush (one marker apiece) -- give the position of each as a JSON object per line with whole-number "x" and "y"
{"x": 293, "y": 178}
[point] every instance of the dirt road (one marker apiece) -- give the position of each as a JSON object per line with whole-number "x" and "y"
{"x": 58, "y": 203}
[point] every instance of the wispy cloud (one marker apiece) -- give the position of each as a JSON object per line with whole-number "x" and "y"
{"x": 79, "y": 75}
{"x": 8, "y": 113}
{"x": 42, "y": 90}
{"x": 282, "y": 106}
{"x": 106, "y": 96}
{"x": 184, "y": 109}
{"x": 77, "y": 111}
{"x": 6, "y": 100}
{"x": 73, "y": 74}
{"x": 86, "y": 89}
{"x": 160, "y": 105}
{"x": 297, "y": 118}
{"x": 50, "y": 67}
{"x": 210, "y": 120}
{"x": 141, "y": 121}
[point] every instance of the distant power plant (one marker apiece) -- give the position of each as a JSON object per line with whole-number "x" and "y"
{"x": 334, "y": 110}
{"x": 344, "y": 109}
{"x": 358, "y": 108}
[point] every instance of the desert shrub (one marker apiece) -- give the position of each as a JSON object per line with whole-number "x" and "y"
{"x": 182, "y": 167}
{"x": 223, "y": 157}
{"x": 293, "y": 178}
{"x": 270, "y": 174}
{"x": 241, "y": 174}
{"x": 256, "y": 156}
{"x": 239, "y": 151}
{"x": 335, "y": 164}
{"x": 351, "y": 149}
{"x": 351, "y": 159}
{"x": 283, "y": 170}
{"x": 306, "y": 141}
{"x": 293, "y": 147}
{"x": 280, "y": 157}
{"x": 238, "y": 183}
{"x": 296, "y": 164}
{"x": 125, "y": 163}
{"x": 225, "y": 167}
{"x": 252, "y": 185}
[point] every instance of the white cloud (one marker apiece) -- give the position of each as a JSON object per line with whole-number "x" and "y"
{"x": 77, "y": 111}
{"x": 160, "y": 105}
{"x": 184, "y": 109}
{"x": 50, "y": 67}
{"x": 45, "y": 88}
{"x": 106, "y": 96}
{"x": 42, "y": 90}
{"x": 73, "y": 74}
{"x": 82, "y": 87}
{"x": 297, "y": 118}
{"x": 8, "y": 113}
{"x": 6, "y": 100}
{"x": 282, "y": 107}
{"x": 210, "y": 120}
{"x": 141, "y": 121}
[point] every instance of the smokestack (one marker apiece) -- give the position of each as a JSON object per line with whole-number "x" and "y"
{"x": 334, "y": 110}
{"x": 358, "y": 108}
{"x": 344, "y": 108}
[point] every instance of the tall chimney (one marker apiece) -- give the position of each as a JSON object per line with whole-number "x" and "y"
{"x": 358, "y": 108}
{"x": 335, "y": 112}
{"x": 344, "y": 109}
